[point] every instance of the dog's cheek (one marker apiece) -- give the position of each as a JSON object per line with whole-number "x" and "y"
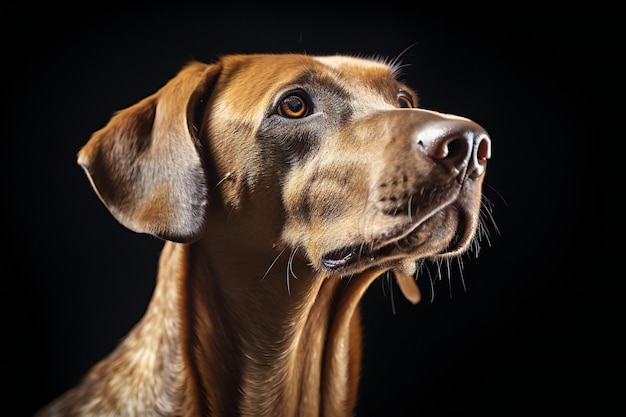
{"x": 325, "y": 207}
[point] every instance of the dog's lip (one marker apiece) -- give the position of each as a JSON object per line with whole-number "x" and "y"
{"x": 339, "y": 258}
{"x": 345, "y": 257}
{"x": 403, "y": 245}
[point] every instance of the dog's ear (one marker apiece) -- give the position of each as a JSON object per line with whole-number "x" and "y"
{"x": 146, "y": 164}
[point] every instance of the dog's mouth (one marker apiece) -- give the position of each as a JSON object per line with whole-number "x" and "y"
{"x": 443, "y": 232}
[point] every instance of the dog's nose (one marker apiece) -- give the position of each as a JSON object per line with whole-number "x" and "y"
{"x": 459, "y": 144}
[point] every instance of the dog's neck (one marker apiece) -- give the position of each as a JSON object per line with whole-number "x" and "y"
{"x": 261, "y": 340}
{"x": 230, "y": 335}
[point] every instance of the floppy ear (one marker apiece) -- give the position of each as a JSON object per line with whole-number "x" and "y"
{"x": 145, "y": 164}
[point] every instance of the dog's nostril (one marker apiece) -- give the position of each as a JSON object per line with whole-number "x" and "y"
{"x": 451, "y": 151}
{"x": 483, "y": 151}
{"x": 456, "y": 148}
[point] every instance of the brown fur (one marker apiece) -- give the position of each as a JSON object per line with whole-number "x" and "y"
{"x": 255, "y": 310}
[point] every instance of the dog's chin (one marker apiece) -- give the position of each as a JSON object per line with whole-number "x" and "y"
{"x": 447, "y": 232}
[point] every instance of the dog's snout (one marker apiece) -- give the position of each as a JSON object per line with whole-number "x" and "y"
{"x": 459, "y": 144}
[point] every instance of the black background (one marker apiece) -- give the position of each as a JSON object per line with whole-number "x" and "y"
{"x": 539, "y": 325}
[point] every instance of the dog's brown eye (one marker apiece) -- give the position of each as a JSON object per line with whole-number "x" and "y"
{"x": 405, "y": 101}
{"x": 293, "y": 106}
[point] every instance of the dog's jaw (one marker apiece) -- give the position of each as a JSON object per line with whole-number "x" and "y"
{"x": 447, "y": 231}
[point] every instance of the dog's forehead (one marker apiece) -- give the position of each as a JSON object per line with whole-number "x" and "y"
{"x": 355, "y": 65}
{"x": 266, "y": 72}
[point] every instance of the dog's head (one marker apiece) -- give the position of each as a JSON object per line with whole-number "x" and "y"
{"x": 332, "y": 153}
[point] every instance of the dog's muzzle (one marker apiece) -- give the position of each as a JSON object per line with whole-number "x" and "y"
{"x": 428, "y": 198}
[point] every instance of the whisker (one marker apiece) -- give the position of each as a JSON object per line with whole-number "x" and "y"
{"x": 230, "y": 212}
{"x": 227, "y": 176}
{"x": 383, "y": 283}
{"x": 432, "y": 284}
{"x": 362, "y": 249}
{"x": 449, "y": 275}
{"x": 495, "y": 191}
{"x": 290, "y": 263}
{"x": 481, "y": 232}
{"x": 390, "y": 282}
{"x": 439, "y": 264}
{"x": 273, "y": 263}
{"x": 394, "y": 63}
{"x": 487, "y": 208}
{"x": 290, "y": 269}
{"x": 370, "y": 196}
{"x": 459, "y": 263}
{"x": 287, "y": 279}
{"x": 487, "y": 203}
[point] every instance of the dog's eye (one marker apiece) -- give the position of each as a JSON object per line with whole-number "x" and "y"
{"x": 294, "y": 106}
{"x": 405, "y": 101}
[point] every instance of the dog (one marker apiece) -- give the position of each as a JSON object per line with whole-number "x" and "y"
{"x": 282, "y": 186}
